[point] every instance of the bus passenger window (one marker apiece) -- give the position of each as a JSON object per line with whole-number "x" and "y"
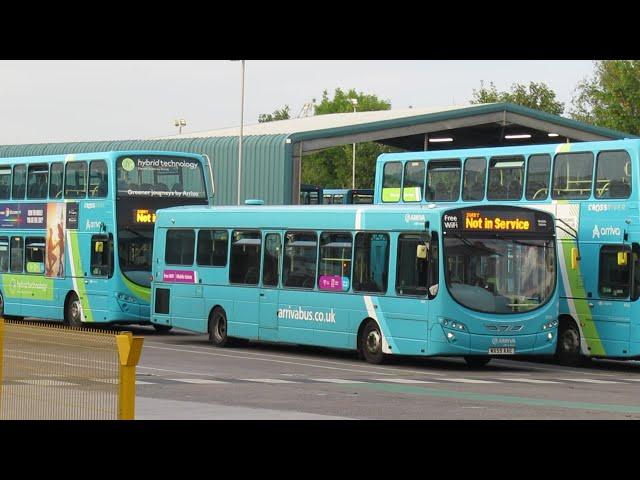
{"x": 505, "y": 178}
{"x": 443, "y": 180}
{"x": 413, "y": 181}
{"x": 5, "y": 183}
{"x": 212, "y": 248}
{"x": 635, "y": 293}
{"x": 411, "y": 268}
{"x": 572, "y": 175}
{"x": 244, "y": 263}
{"x": 615, "y": 271}
{"x": 300, "y": 257}
{"x": 179, "y": 247}
{"x": 4, "y": 254}
{"x": 391, "y": 182}
{"x": 271, "y": 263}
{"x": 335, "y": 261}
{"x": 434, "y": 271}
{"x": 55, "y": 186}
{"x": 371, "y": 262}
{"x": 34, "y": 255}
{"x": 17, "y": 254}
{"x": 613, "y": 175}
{"x": 75, "y": 182}
{"x": 101, "y": 255}
{"x": 38, "y": 181}
{"x": 538, "y": 169}
{"x": 98, "y": 179}
{"x": 475, "y": 170}
{"x": 19, "y": 182}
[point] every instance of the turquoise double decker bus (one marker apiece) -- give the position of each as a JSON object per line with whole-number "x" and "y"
{"x": 591, "y": 188}
{"x": 76, "y": 231}
{"x": 475, "y": 281}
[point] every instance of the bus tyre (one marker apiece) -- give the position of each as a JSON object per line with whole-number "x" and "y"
{"x": 568, "y": 347}
{"x": 218, "y": 328}
{"x": 162, "y": 328}
{"x": 477, "y": 361}
{"x": 73, "y": 312}
{"x": 371, "y": 343}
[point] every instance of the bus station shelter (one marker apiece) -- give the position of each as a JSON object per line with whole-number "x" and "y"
{"x": 273, "y": 151}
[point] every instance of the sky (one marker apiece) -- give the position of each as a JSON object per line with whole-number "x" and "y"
{"x": 81, "y": 100}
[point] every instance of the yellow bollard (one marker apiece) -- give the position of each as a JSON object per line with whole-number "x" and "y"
{"x": 129, "y": 349}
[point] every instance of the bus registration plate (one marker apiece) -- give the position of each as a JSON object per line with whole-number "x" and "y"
{"x": 502, "y": 351}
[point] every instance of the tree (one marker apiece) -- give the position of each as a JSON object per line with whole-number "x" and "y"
{"x": 611, "y": 97}
{"x": 331, "y": 168}
{"x": 282, "y": 114}
{"x": 536, "y": 95}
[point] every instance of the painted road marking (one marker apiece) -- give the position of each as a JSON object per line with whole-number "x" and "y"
{"x": 466, "y": 380}
{"x": 336, "y": 380}
{"x": 199, "y": 381}
{"x": 266, "y": 380}
{"x": 48, "y": 383}
{"x": 528, "y": 380}
{"x": 140, "y": 382}
{"x": 587, "y": 380}
{"x": 402, "y": 380}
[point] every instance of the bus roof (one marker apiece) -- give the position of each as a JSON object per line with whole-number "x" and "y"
{"x": 550, "y": 148}
{"x": 92, "y": 155}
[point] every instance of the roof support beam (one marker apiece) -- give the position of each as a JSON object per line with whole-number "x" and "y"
{"x": 516, "y": 118}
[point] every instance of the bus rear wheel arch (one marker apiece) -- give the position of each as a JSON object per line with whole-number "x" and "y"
{"x": 8, "y": 317}
{"x": 370, "y": 342}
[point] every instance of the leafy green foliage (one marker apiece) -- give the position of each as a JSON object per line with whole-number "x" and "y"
{"x": 611, "y": 97}
{"x": 282, "y": 114}
{"x": 332, "y": 168}
{"x": 536, "y": 95}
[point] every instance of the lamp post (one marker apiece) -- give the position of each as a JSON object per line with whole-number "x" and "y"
{"x": 180, "y": 123}
{"x": 354, "y": 102}
{"x": 241, "y": 128}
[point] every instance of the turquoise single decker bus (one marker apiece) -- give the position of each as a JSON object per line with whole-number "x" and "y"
{"x": 342, "y": 196}
{"x": 476, "y": 281}
{"x": 590, "y": 187}
{"x": 76, "y": 231}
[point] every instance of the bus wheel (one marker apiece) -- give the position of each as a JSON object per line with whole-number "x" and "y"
{"x": 371, "y": 343}
{"x": 218, "y": 328}
{"x": 162, "y": 328}
{"x": 568, "y": 348}
{"x": 2, "y": 315}
{"x": 477, "y": 361}
{"x": 73, "y": 312}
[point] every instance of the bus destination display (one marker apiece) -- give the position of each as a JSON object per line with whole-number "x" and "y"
{"x": 486, "y": 220}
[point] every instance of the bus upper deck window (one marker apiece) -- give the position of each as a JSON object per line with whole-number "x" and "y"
{"x": 98, "y": 183}
{"x": 38, "y": 181}
{"x": 413, "y": 181}
{"x": 538, "y": 169}
{"x": 572, "y": 175}
{"x": 505, "y": 178}
{"x": 55, "y": 182}
{"x": 443, "y": 180}
{"x": 19, "y": 182}
{"x": 75, "y": 182}
{"x": 613, "y": 175}
{"x": 5, "y": 183}
{"x": 391, "y": 182}
{"x": 475, "y": 170}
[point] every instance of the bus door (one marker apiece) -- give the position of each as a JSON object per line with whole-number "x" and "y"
{"x": 271, "y": 265}
{"x": 406, "y": 312}
{"x": 610, "y": 302}
{"x": 96, "y": 279}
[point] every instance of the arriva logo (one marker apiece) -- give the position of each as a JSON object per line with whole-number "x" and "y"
{"x": 414, "y": 218}
{"x": 607, "y": 231}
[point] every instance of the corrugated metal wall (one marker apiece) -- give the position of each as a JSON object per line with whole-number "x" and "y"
{"x": 266, "y": 166}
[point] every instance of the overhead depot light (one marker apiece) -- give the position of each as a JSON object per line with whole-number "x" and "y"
{"x": 518, "y": 136}
{"x": 553, "y": 134}
{"x": 443, "y": 139}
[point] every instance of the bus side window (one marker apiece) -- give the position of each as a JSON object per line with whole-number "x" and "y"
{"x": 17, "y": 254}
{"x": 244, "y": 262}
{"x": 98, "y": 179}
{"x": 443, "y": 180}
{"x": 615, "y": 271}
{"x": 56, "y": 178}
{"x": 413, "y": 181}
{"x": 538, "y": 169}
{"x": 391, "y": 182}
{"x": 34, "y": 255}
{"x": 475, "y": 170}
{"x": 635, "y": 292}
{"x": 613, "y": 175}
{"x": 4, "y": 254}
{"x": 411, "y": 268}
{"x": 371, "y": 262}
{"x": 19, "y": 182}
{"x": 335, "y": 261}
{"x": 300, "y": 258}
{"x": 212, "y": 248}
{"x": 179, "y": 247}
{"x": 38, "y": 181}
{"x": 5, "y": 183}
{"x": 271, "y": 262}
{"x": 572, "y": 175}
{"x": 102, "y": 255}
{"x": 75, "y": 182}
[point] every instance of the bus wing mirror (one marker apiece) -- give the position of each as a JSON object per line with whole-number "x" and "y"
{"x": 422, "y": 252}
{"x": 622, "y": 259}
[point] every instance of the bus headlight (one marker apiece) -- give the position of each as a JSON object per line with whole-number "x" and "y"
{"x": 454, "y": 324}
{"x": 550, "y": 325}
{"x": 125, "y": 298}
